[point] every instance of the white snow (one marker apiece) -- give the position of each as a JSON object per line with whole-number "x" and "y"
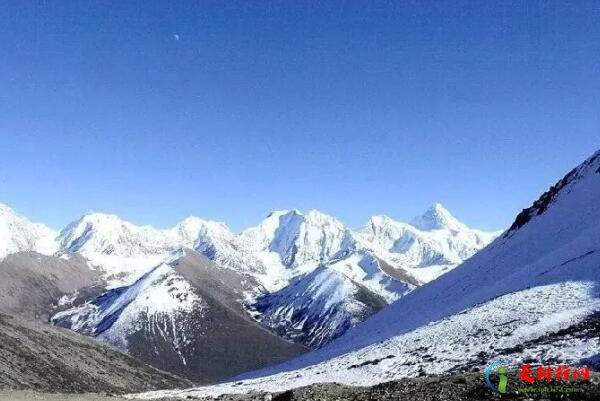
{"x": 285, "y": 245}
{"x": 316, "y": 307}
{"x": 162, "y": 297}
{"x": 163, "y": 294}
{"x": 17, "y": 234}
{"x": 292, "y": 245}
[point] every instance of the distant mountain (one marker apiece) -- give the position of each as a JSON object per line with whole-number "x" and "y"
{"x": 437, "y": 217}
{"x": 124, "y": 251}
{"x": 431, "y": 245}
{"x": 300, "y": 239}
{"x": 17, "y": 234}
{"x": 184, "y": 316}
{"x": 38, "y": 357}
{"x": 529, "y": 297}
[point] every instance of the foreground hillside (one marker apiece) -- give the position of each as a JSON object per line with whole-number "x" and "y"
{"x": 38, "y": 357}
{"x": 454, "y": 387}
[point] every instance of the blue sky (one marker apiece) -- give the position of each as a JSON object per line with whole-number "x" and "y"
{"x": 228, "y": 110}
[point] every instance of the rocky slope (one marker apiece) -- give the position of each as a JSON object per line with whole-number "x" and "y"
{"x": 34, "y": 286}
{"x": 43, "y": 358}
{"x": 451, "y": 387}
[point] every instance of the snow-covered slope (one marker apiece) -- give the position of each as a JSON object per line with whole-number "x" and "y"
{"x": 532, "y": 294}
{"x": 179, "y": 317}
{"x": 215, "y": 241}
{"x": 17, "y": 234}
{"x": 541, "y": 247}
{"x": 317, "y": 307}
{"x": 121, "y": 250}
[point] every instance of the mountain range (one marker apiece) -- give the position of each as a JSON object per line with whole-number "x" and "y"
{"x": 176, "y": 298}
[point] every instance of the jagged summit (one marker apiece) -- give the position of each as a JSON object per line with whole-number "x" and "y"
{"x": 101, "y": 233}
{"x": 587, "y": 168}
{"x": 299, "y": 238}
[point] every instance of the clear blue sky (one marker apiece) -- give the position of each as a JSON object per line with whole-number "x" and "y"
{"x": 227, "y": 110}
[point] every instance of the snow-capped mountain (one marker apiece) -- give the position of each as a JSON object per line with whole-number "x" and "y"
{"x": 121, "y": 250}
{"x": 437, "y": 217}
{"x": 99, "y": 233}
{"x": 179, "y": 317}
{"x": 385, "y": 261}
{"x": 125, "y": 251}
{"x": 300, "y": 239}
{"x": 291, "y": 243}
{"x": 431, "y": 245}
{"x": 17, "y": 234}
{"x": 531, "y": 295}
{"x": 317, "y": 307}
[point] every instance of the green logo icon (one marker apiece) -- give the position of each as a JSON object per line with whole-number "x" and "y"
{"x": 501, "y": 369}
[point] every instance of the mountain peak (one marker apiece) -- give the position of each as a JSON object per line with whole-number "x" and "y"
{"x": 18, "y": 234}
{"x": 98, "y": 217}
{"x": 198, "y": 223}
{"x": 437, "y": 217}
